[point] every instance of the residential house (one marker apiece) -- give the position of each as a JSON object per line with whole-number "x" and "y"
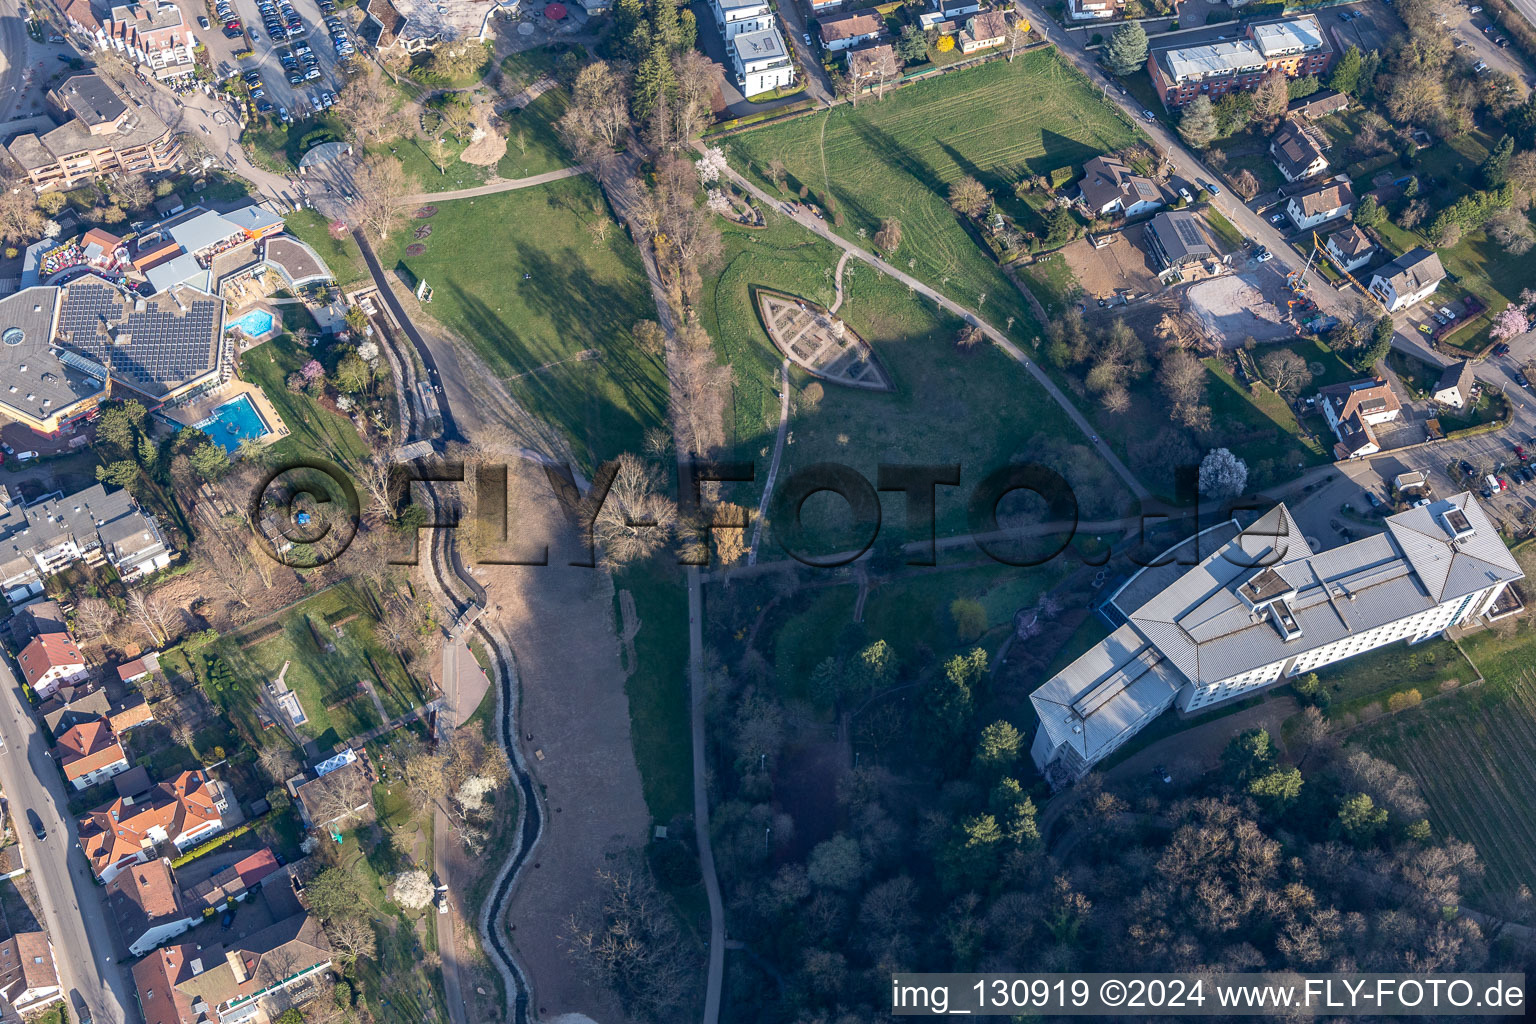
{"x": 737, "y": 16}
{"x": 29, "y": 980}
{"x": 79, "y": 16}
{"x": 148, "y": 905}
{"x": 1261, "y": 607}
{"x": 1353, "y": 409}
{"x": 94, "y": 525}
{"x": 869, "y": 65}
{"x": 1177, "y": 238}
{"x": 1320, "y": 104}
{"x": 1320, "y": 203}
{"x": 89, "y": 753}
{"x": 1409, "y": 279}
{"x": 1109, "y": 186}
{"x": 1349, "y": 249}
{"x": 337, "y": 788}
{"x": 984, "y": 31}
{"x": 1094, "y": 10}
{"x": 37, "y": 618}
{"x": 1296, "y": 46}
{"x": 941, "y": 13}
{"x": 51, "y": 660}
{"x": 231, "y": 883}
{"x": 762, "y": 61}
{"x": 1296, "y": 153}
{"x": 1454, "y": 388}
{"x": 98, "y": 134}
{"x": 127, "y": 831}
{"x": 225, "y": 982}
{"x": 822, "y": 6}
{"x": 71, "y": 705}
{"x": 853, "y": 28}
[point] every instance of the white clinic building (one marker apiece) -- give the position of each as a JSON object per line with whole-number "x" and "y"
{"x": 1233, "y": 610}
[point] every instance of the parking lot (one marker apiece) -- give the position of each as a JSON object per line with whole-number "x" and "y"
{"x": 298, "y": 100}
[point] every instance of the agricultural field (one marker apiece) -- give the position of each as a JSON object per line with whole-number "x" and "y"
{"x": 332, "y": 685}
{"x": 978, "y": 408}
{"x": 551, "y": 314}
{"x": 897, "y": 158}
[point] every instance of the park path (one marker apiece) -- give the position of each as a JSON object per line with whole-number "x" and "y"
{"x": 817, "y": 226}
{"x": 491, "y": 188}
{"x": 778, "y": 446}
{"x": 628, "y": 165}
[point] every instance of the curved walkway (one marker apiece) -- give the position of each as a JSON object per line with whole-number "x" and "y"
{"x": 997, "y": 337}
{"x": 507, "y": 185}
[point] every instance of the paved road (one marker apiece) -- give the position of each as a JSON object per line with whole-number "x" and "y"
{"x": 996, "y": 336}
{"x": 84, "y": 943}
{"x": 13, "y": 57}
{"x": 499, "y": 186}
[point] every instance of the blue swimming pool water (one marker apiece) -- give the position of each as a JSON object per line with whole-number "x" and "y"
{"x": 232, "y": 422}
{"x": 255, "y": 324}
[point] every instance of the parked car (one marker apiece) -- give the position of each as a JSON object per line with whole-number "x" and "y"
{"x": 1184, "y": 194}
{"x": 1147, "y": 115}
{"x": 82, "y": 1011}
{"x": 1465, "y": 467}
{"x": 1520, "y": 453}
{"x": 202, "y": 21}
{"x": 1426, "y": 329}
{"x": 1521, "y": 379}
{"x": 1265, "y": 256}
{"x": 1474, "y": 9}
{"x": 25, "y": 456}
{"x": 37, "y": 824}
{"x": 1278, "y": 218}
{"x": 1480, "y": 66}
{"x": 1376, "y": 502}
{"x": 1501, "y": 42}
{"x": 1210, "y": 187}
{"x": 1446, "y": 312}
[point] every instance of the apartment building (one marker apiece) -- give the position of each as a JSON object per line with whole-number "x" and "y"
{"x": 152, "y": 34}
{"x": 1296, "y": 46}
{"x": 98, "y": 134}
{"x": 1320, "y": 204}
{"x": 128, "y": 831}
{"x": 94, "y": 525}
{"x": 762, "y": 61}
{"x": 737, "y": 16}
{"x": 1094, "y": 10}
{"x": 1257, "y": 607}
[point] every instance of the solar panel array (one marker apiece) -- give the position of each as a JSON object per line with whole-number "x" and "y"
{"x": 164, "y": 343}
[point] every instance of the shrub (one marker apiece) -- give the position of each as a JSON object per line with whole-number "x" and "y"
{"x": 1403, "y": 701}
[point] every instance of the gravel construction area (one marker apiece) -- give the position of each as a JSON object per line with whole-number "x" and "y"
{"x": 1121, "y": 265}
{"x": 1233, "y": 307}
{"x": 560, "y": 620}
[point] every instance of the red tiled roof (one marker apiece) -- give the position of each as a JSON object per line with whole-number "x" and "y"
{"x": 87, "y": 747}
{"x": 257, "y": 866}
{"x": 120, "y": 829}
{"x": 47, "y": 651}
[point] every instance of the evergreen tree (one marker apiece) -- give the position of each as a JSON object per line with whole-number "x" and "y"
{"x": 1126, "y": 51}
{"x": 999, "y": 745}
{"x": 1198, "y": 125}
{"x": 1346, "y": 73}
{"x": 1369, "y": 213}
{"x": 1496, "y": 168}
{"x": 664, "y": 22}
{"x": 1360, "y": 818}
{"x": 653, "y": 78}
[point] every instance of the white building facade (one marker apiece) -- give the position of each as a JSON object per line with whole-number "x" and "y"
{"x": 737, "y": 16}
{"x": 762, "y": 61}
{"x": 1261, "y": 608}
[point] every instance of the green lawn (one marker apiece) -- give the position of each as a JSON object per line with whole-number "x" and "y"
{"x": 533, "y": 142}
{"x": 519, "y": 277}
{"x": 340, "y": 254}
{"x": 1229, "y": 235}
{"x": 1477, "y": 265}
{"x": 416, "y": 160}
{"x": 658, "y": 690}
{"x": 898, "y": 157}
{"x": 1053, "y": 283}
{"x": 312, "y": 428}
{"x": 978, "y": 408}
{"x": 1357, "y": 684}
{"x": 1473, "y": 755}
{"x": 326, "y": 681}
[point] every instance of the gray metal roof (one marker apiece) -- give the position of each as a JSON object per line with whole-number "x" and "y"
{"x": 207, "y": 228}
{"x": 181, "y": 270}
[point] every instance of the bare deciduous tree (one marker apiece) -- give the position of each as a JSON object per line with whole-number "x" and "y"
{"x": 599, "y": 110}
{"x": 94, "y": 618}
{"x": 1285, "y": 371}
{"x": 366, "y": 106}
{"x": 636, "y": 518}
{"x": 628, "y": 941}
{"x": 381, "y": 189}
{"x": 153, "y": 615}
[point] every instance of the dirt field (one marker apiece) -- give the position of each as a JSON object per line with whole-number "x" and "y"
{"x": 1233, "y": 307}
{"x": 1121, "y": 266}
{"x": 560, "y": 621}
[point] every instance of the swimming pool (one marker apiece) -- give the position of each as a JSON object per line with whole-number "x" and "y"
{"x": 233, "y": 422}
{"x": 255, "y": 324}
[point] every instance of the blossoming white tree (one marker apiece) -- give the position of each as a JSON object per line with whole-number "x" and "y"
{"x": 413, "y": 890}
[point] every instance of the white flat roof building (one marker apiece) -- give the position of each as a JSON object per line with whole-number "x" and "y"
{"x": 1286, "y": 38}
{"x": 762, "y": 61}
{"x": 1212, "y": 59}
{"x": 1260, "y": 608}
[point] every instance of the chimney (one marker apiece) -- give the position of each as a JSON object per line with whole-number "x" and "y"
{"x": 237, "y": 965}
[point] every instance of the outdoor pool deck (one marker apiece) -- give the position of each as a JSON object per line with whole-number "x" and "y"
{"x": 205, "y": 408}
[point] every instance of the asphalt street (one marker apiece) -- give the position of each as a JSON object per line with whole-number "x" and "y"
{"x": 85, "y": 945}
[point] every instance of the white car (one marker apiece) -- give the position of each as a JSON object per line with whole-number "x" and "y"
{"x": 25, "y": 456}
{"x": 1184, "y": 194}
{"x": 1265, "y": 256}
